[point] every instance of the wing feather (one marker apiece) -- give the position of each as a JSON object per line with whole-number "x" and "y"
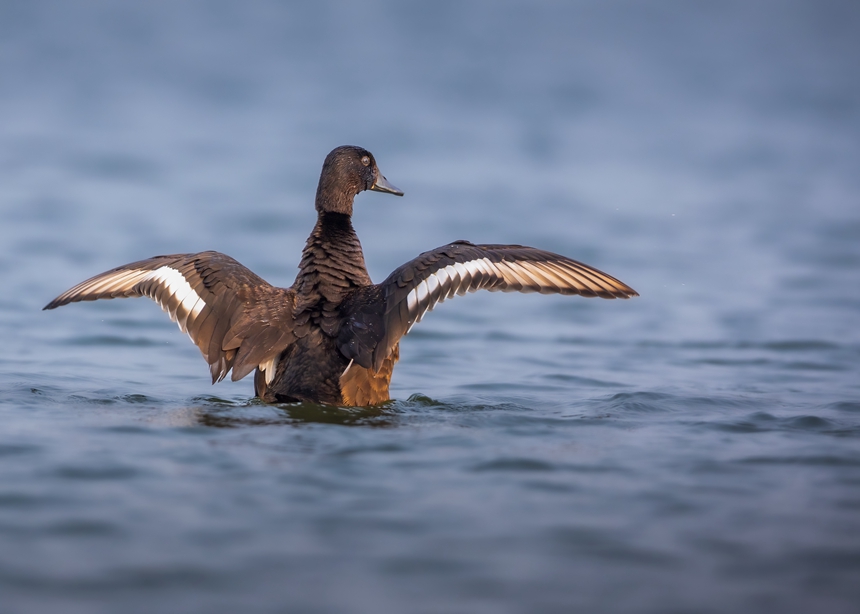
{"x": 236, "y": 319}
{"x": 454, "y": 269}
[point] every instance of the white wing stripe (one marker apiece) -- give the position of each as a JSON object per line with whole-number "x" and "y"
{"x": 487, "y": 267}
{"x": 465, "y": 278}
{"x": 198, "y": 307}
{"x": 270, "y": 366}
{"x": 179, "y": 292}
{"x": 422, "y": 291}
{"x": 522, "y": 276}
{"x": 472, "y": 267}
{"x": 190, "y": 301}
{"x": 454, "y": 276}
{"x": 193, "y": 311}
{"x": 175, "y": 300}
{"x": 443, "y": 277}
{"x": 446, "y": 282}
{"x": 434, "y": 286}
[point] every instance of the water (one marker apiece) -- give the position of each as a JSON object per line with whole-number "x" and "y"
{"x": 692, "y": 450}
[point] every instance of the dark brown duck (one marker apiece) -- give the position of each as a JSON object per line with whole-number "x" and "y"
{"x": 333, "y": 336}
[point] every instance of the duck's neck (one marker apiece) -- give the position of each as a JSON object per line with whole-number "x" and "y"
{"x": 332, "y": 261}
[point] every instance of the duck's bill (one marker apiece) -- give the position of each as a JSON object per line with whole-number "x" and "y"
{"x": 381, "y": 185}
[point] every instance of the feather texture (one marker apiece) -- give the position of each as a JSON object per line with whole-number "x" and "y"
{"x": 236, "y": 319}
{"x": 455, "y": 269}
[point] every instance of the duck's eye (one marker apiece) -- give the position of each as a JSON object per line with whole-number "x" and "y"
{"x": 365, "y": 160}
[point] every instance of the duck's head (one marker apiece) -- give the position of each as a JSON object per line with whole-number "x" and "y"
{"x": 348, "y": 170}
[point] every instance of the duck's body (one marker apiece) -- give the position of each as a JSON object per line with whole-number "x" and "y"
{"x": 312, "y": 367}
{"x": 333, "y": 336}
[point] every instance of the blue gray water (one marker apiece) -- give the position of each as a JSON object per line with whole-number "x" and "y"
{"x": 696, "y": 449}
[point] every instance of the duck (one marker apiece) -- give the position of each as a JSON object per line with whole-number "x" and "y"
{"x": 333, "y": 337}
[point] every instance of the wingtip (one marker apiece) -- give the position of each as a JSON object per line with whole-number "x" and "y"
{"x": 624, "y": 291}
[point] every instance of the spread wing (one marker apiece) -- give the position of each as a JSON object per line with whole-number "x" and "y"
{"x": 377, "y": 317}
{"x": 237, "y": 320}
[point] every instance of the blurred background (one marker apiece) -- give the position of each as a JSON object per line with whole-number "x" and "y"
{"x": 707, "y": 154}
{"x": 664, "y": 131}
